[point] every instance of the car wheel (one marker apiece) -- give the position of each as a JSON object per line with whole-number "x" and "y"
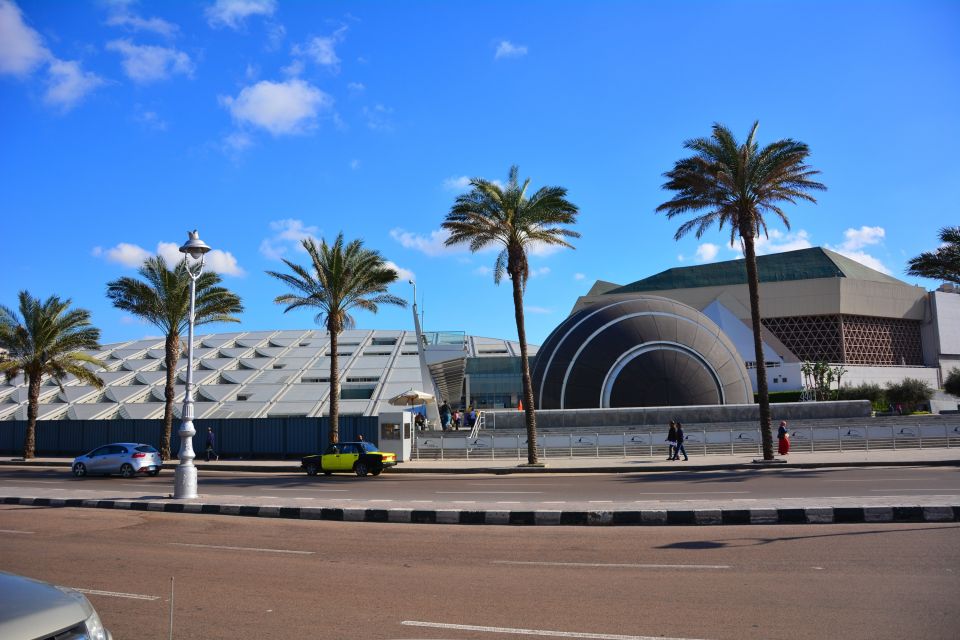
{"x": 79, "y": 470}
{"x": 361, "y": 469}
{"x": 127, "y": 471}
{"x": 311, "y": 469}
{"x": 376, "y": 472}
{"x": 154, "y": 473}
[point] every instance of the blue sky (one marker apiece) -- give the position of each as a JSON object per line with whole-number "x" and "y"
{"x": 259, "y": 122}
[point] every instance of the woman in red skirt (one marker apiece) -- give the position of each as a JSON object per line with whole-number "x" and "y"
{"x": 783, "y": 438}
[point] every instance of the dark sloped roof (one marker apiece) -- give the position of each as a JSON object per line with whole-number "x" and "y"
{"x": 803, "y": 264}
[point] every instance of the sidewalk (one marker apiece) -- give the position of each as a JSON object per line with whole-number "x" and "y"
{"x": 872, "y": 509}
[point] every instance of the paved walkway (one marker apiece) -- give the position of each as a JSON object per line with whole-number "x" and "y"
{"x": 691, "y": 512}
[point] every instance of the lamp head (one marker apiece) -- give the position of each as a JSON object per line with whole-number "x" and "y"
{"x": 194, "y": 246}
{"x": 411, "y": 282}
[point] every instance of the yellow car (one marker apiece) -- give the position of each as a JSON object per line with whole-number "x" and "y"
{"x": 359, "y": 457}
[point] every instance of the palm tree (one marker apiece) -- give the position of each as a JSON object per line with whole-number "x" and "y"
{"x": 942, "y": 264}
{"x": 340, "y": 278}
{"x": 727, "y": 183}
{"x": 46, "y": 340}
{"x": 162, "y": 298}
{"x": 505, "y": 217}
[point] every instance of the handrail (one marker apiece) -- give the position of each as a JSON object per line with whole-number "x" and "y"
{"x": 477, "y": 424}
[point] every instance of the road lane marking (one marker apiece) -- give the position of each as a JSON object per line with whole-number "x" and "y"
{"x": 217, "y": 546}
{"x": 679, "y": 493}
{"x": 310, "y": 489}
{"x": 532, "y": 632}
{"x": 613, "y": 565}
{"x": 883, "y": 480}
{"x": 15, "y": 531}
{"x": 115, "y": 594}
{"x": 555, "y": 502}
{"x": 488, "y": 492}
{"x": 920, "y": 489}
{"x": 380, "y": 500}
{"x": 601, "y": 502}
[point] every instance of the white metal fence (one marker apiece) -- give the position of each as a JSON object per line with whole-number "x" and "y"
{"x": 698, "y": 442}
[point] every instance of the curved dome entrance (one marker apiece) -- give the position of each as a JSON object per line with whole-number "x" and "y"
{"x": 656, "y": 375}
{"x": 644, "y": 351}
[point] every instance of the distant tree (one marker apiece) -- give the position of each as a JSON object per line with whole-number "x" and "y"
{"x": 505, "y": 217}
{"x": 46, "y": 339}
{"x": 162, "y": 298}
{"x": 737, "y": 185}
{"x": 943, "y": 263}
{"x": 340, "y": 278}
{"x": 866, "y": 391}
{"x": 952, "y": 384}
{"x": 910, "y": 392}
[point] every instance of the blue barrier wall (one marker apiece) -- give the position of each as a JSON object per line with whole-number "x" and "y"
{"x": 236, "y": 437}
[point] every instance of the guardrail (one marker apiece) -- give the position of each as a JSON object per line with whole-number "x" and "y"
{"x": 703, "y": 442}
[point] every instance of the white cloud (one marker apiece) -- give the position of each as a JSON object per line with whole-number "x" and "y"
{"x": 289, "y": 107}
{"x": 507, "y": 49}
{"x": 287, "y": 233}
{"x": 378, "y": 117}
{"x": 217, "y": 260}
{"x": 294, "y": 69}
{"x": 431, "y": 245}
{"x": 855, "y": 239}
{"x": 128, "y": 255}
{"x": 777, "y": 242}
{"x": 21, "y": 48}
{"x": 134, "y": 22}
{"x": 68, "y": 84}
{"x": 237, "y": 141}
{"x": 276, "y": 32}
{"x": 537, "y": 310}
{"x": 539, "y": 272}
{"x": 402, "y": 274}
{"x": 541, "y": 250}
{"x": 150, "y": 119}
{"x": 234, "y": 13}
{"x": 148, "y": 63}
{"x": 322, "y": 50}
{"x": 354, "y": 164}
{"x": 579, "y": 276}
{"x": 132, "y": 256}
{"x": 22, "y": 52}
{"x": 707, "y": 252}
{"x": 356, "y": 87}
{"x": 483, "y": 270}
{"x": 457, "y": 183}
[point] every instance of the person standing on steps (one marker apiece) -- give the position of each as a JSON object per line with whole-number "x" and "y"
{"x": 672, "y": 440}
{"x": 680, "y": 448}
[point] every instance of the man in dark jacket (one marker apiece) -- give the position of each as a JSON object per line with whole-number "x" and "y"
{"x": 680, "y": 448}
{"x": 211, "y": 445}
{"x": 672, "y": 440}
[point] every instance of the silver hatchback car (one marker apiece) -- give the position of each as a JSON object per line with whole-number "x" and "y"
{"x": 126, "y": 458}
{"x": 31, "y": 609}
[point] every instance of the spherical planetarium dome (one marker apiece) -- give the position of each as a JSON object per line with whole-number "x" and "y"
{"x": 646, "y": 351}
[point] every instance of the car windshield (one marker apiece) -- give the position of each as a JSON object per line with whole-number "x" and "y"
{"x": 368, "y": 448}
{"x": 145, "y": 448}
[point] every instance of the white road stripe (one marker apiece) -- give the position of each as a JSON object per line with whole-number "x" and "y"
{"x": 555, "y": 502}
{"x": 532, "y": 632}
{"x": 380, "y": 500}
{"x": 680, "y": 493}
{"x": 489, "y": 492}
{"x": 15, "y": 531}
{"x": 509, "y": 502}
{"x": 115, "y": 594}
{"x": 310, "y": 489}
{"x": 217, "y": 546}
{"x": 920, "y": 489}
{"x": 614, "y": 565}
{"x": 601, "y": 502}
{"x": 875, "y": 480}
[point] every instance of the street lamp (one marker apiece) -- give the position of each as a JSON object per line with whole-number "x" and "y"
{"x": 185, "y": 478}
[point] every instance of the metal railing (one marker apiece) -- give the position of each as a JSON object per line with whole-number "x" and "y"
{"x": 704, "y": 442}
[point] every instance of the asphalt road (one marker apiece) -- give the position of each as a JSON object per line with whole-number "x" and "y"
{"x": 243, "y": 578}
{"x": 552, "y": 491}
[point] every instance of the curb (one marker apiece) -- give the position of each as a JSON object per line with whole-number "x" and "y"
{"x": 656, "y": 468}
{"x": 697, "y": 517}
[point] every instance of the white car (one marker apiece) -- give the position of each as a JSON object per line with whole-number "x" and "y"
{"x": 126, "y": 458}
{"x": 31, "y": 610}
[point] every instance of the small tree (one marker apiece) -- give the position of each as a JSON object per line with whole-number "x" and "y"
{"x": 952, "y": 384}
{"x": 838, "y": 372}
{"x": 866, "y": 391}
{"x": 910, "y": 392}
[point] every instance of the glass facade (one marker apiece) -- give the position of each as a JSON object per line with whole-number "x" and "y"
{"x": 493, "y": 382}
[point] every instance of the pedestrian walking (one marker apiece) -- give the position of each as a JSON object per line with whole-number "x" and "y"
{"x": 211, "y": 445}
{"x": 445, "y": 416}
{"x": 672, "y": 440}
{"x": 680, "y": 448}
{"x": 783, "y": 439}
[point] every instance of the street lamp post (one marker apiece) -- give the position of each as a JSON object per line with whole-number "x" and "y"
{"x": 185, "y": 478}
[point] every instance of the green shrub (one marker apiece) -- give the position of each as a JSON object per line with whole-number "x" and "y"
{"x": 909, "y": 392}
{"x": 952, "y": 384}
{"x": 777, "y": 397}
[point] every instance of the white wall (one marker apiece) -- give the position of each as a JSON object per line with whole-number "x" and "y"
{"x": 857, "y": 375}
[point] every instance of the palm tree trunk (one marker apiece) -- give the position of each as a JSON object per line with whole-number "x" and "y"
{"x": 753, "y": 283}
{"x": 171, "y": 357}
{"x": 531, "y": 415}
{"x": 334, "y": 390}
{"x": 33, "y": 408}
